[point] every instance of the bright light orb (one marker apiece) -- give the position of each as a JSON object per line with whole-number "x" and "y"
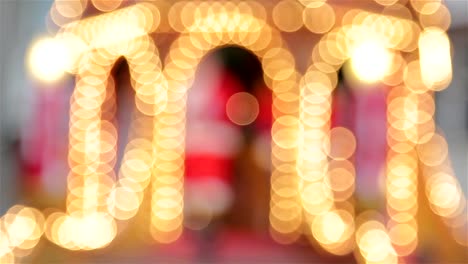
{"x": 333, "y": 227}
{"x": 370, "y": 61}
{"x": 48, "y": 59}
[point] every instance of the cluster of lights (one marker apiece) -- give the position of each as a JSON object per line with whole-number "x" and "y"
{"x": 312, "y": 179}
{"x": 373, "y": 242}
{"x": 290, "y": 16}
{"x": 402, "y": 166}
{"x": 92, "y": 154}
{"x": 433, "y": 72}
{"x": 326, "y": 168}
{"x": 20, "y": 230}
{"x": 371, "y": 42}
{"x": 442, "y": 189}
{"x": 237, "y": 24}
{"x": 319, "y": 177}
{"x": 64, "y": 12}
{"x": 95, "y": 198}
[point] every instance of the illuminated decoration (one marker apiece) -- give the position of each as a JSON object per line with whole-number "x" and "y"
{"x": 20, "y": 230}
{"x": 105, "y": 5}
{"x": 402, "y": 169}
{"x": 373, "y": 242}
{"x": 370, "y": 61}
{"x": 434, "y": 53}
{"x": 95, "y": 198}
{"x": 319, "y": 19}
{"x": 444, "y": 192}
{"x": 326, "y": 194}
{"x": 316, "y": 160}
{"x": 238, "y": 24}
{"x": 48, "y": 59}
{"x": 312, "y": 181}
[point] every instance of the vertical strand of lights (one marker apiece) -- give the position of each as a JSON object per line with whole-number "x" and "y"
{"x": 139, "y": 156}
{"x": 169, "y": 133}
{"x": 330, "y": 225}
{"x": 92, "y": 154}
{"x": 280, "y": 74}
{"x": 373, "y": 242}
{"x": 94, "y": 198}
{"x": 168, "y": 169}
{"x": 167, "y": 201}
{"x": 328, "y": 218}
{"x": 337, "y": 226}
{"x": 92, "y": 138}
{"x": 312, "y": 165}
{"x": 328, "y": 55}
{"x": 243, "y": 28}
{"x": 402, "y": 168}
{"x": 285, "y": 205}
{"x": 444, "y": 193}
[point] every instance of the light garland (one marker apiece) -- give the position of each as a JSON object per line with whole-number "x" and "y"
{"x": 306, "y": 163}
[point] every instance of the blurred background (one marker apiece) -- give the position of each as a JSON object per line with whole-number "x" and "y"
{"x": 226, "y": 162}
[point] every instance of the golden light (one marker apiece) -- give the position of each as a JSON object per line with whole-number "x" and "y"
{"x": 435, "y": 58}
{"x": 319, "y": 19}
{"x": 48, "y": 59}
{"x": 312, "y": 3}
{"x": 386, "y": 2}
{"x": 375, "y": 247}
{"x": 312, "y": 175}
{"x": 329, "y": 228}
{"x": 20, "y": 230}
{"x": 287, "y": 15}
{"x": 370, "y": 60}
{"x": 106, "y": 5}
{"x": 426, "y": 7}
{"x": 440, "y": 18}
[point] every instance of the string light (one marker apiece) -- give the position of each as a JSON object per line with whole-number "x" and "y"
{"x": 246, "y": 30}
{"x": 312, "y": 177}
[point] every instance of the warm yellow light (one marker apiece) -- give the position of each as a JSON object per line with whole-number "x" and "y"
{"x": 370, "y": 60}
{"x": 435, "y": 59}
{"x": 106, "y": 5}
{"x": 313, "y": 3}
{"x": 48, "y": 59}
{"x": 306, "y": 185}
{"x": 319, "y": 19}
{"x": 333, "y": 226}
{"x": 287, "y": 15}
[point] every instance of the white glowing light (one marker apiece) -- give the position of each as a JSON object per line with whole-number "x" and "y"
{"x": 333, "y": 227}
{"x": 370, "y": 61}
{"x": 435, "y": 59}
{"x": 48, "y": 59}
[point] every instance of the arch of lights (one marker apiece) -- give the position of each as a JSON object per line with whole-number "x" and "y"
{"x": 312, "y": 181}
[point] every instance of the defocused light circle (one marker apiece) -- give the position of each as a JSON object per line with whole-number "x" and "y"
{"x": 242, "y": 108}
{"x": 370, "y": 61}
{"x": 106, "y": 5}
{"x": 48, "y": 59}
{"x": 312, "y": 3}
